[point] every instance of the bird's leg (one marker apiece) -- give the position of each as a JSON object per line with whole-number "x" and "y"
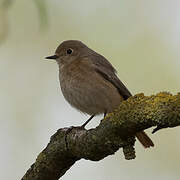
{"x": 83, "y": 126}
{"x": 105, "y": 114}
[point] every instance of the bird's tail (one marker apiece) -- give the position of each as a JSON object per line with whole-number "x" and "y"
{"x": 144, "y": 139}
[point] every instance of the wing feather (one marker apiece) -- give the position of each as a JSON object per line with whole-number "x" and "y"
{"x": 108, "y": 72}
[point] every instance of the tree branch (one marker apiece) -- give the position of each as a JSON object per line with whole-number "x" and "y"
{"x": 117, "y": 130}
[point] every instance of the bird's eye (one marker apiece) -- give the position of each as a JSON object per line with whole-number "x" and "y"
{"x": 69, "y": 51}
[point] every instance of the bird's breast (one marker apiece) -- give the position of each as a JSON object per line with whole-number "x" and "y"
{"x": 87, "y": 91}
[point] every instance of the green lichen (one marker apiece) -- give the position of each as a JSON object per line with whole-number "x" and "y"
{"x": 162, "y": 109}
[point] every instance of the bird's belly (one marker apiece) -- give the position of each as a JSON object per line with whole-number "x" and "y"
{"x": 82, "y": 101}
{"x": 90, "y": 97}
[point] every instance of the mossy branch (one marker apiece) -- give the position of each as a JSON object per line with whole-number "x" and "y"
{"x": 117, "y": 130}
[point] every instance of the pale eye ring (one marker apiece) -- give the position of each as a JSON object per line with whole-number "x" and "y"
{"x": 69, "y": 51}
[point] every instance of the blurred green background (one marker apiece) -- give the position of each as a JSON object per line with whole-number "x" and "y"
{"x": 140, "y": 38}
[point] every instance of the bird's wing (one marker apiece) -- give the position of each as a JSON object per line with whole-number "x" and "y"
{"x": 107, "y": 71}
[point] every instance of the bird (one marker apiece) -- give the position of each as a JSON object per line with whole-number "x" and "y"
{"x": 90, "y": 83}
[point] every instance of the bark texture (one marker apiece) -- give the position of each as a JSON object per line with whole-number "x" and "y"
{"x": 117, "y": 130}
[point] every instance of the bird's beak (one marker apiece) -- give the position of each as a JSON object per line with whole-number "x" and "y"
{"x": 52, "y": 57}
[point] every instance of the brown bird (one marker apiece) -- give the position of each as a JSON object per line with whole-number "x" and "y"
{"x": 89, "y": 82}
